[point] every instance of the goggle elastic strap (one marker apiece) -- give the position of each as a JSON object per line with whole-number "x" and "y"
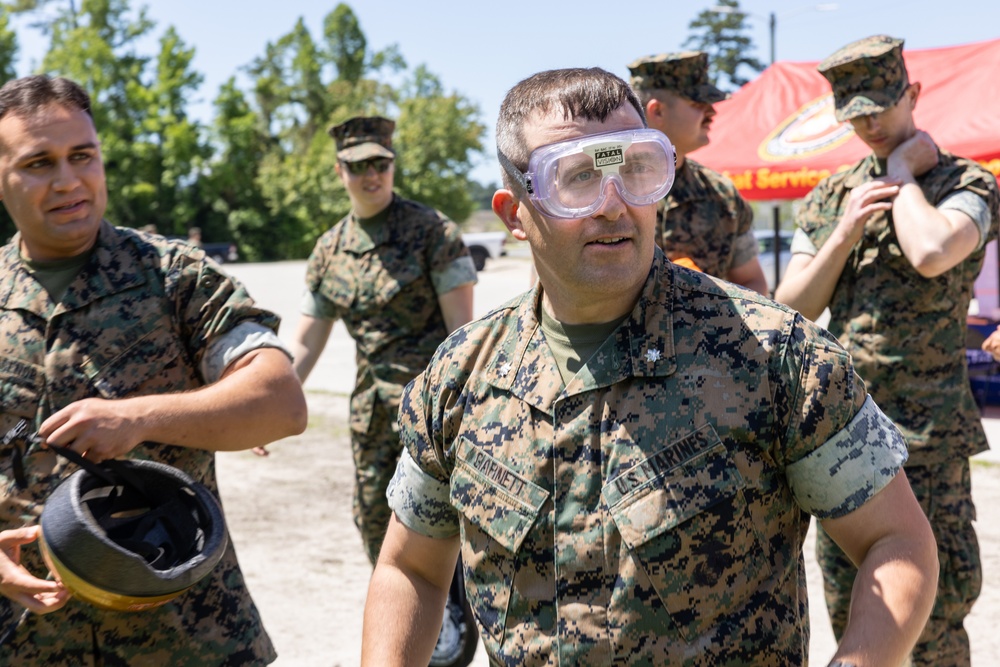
{"x": 514, "y": 172}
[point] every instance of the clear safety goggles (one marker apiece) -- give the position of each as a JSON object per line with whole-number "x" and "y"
{"x": 569, "y": 179}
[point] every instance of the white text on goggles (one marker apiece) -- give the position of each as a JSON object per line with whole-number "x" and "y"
{"x": 569, "y": 179}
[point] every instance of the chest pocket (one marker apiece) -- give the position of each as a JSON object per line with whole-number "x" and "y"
{"x": 142, "y": 362}
{"x": 337, "y": 286}
{"x": 392, "y": 278}
{"x": 499, "y": 508}
{"x": 691, "y": 533}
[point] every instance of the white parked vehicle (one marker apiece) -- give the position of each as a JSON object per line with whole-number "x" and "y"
{"x": 485, "y": 245}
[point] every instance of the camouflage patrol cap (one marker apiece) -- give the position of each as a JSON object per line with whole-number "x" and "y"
{"x": 867, "y": 76}
{"x": 364, "y": 137}
{"x": 685, "y": 72}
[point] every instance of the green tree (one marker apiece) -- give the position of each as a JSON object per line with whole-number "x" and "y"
{"x": 723, "y": 36}
{"x": 301, "y": 88}
{"x": 436, "y": 136}
{"x": 152, "y": 150}
{"x": 8, "y": 48}
{"x": 232, "y": 205}
{"x": 8, "y": 54}
{"x": 346, "y": 44}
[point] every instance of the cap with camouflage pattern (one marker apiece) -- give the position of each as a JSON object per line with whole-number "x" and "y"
{"x": 867, "y": 76}
{"x": 364, "y": 137}
{"x": 685, "y": 72}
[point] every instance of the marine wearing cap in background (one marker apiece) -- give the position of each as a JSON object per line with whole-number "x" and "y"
{"x": 906, "y": 228}
{"x": 703, "y": 223}
{"x": 397, "y": 273}
{"x": 685, "y": 72}
{"x": 867, "y": 76}
{"x": 364, "y": 137}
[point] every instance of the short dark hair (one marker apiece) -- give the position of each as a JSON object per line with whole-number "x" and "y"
{"x": 589, "y": 93}
{"x": 30, "y": 93}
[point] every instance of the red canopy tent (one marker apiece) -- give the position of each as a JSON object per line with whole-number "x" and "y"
{"x": 777, "y": 136}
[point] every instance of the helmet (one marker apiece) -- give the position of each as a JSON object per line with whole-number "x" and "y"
{"x": 130, "y": 535}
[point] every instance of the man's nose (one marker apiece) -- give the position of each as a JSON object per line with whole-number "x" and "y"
{"x": 66, "y": 177}
{"x": 613, "y": 205}
{"x": 870, "y": 122}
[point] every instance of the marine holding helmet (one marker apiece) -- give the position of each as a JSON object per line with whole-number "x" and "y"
{"x": 114, "y": 344}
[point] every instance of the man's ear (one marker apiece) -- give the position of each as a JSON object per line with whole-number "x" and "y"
{"x": 505, "y": 205}
{"x": 915, "y": 87}
{"x": 654, "y": 109}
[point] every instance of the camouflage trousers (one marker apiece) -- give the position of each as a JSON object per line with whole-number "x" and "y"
{"x": 945, "y": 494}
{"x": 376, "y": 453}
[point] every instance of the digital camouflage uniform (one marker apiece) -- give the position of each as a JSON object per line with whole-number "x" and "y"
{"x": 703, "y": 222}
{"x": 907, "y": 335}
{"x": 704, "y": 218}
{"x": 143, "y": 316}
{"x": 383, "y": 281}
{"x": 651, "y": 511}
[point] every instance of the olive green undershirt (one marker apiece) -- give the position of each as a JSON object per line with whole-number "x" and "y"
{"x": 57, "y": 275}
{"x": 574, "y": 344}
{"x": 374, "y": 222}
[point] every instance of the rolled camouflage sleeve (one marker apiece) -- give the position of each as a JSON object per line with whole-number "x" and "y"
{"x": 316, "y": 305}
{"x": 851, "y": 467}
{"x": 420, "y": 500}
{"x": 420, "y": 488}
{"x": 451, "y": 264}
{"x": 461, "y": 272}
{"x": 226, "y": 349}
{"x": 211, "y": 304}
{"x": 973, "y": 206}
{"x": 840, "y": 449}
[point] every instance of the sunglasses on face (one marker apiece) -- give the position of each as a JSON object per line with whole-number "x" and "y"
{"x": 380, "y": 164}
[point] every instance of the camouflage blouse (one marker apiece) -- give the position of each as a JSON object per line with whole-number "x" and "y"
{"x": 136, "y": 320}
{"x": 653, "y": 509}
{"x": 705, "y": 219}
{"x": 384, "y": 282}
{"x": 907, "y": 332}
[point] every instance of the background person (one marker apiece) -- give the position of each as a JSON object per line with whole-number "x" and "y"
{"x": 625, "y": 454}
{"x": 194, "y": 237}
{"x": 893, "y": 246}
{"x": 703, "y": 223}
{"x": 117, "y": 343}
{"x": 399, "y": 276}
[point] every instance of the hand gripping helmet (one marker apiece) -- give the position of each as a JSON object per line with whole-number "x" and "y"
{"x": 130, "y": 535}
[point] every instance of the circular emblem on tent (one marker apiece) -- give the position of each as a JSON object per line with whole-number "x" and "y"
{"x": 810, "y": 130}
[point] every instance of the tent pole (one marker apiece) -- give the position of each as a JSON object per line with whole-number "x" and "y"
{"x": 776, "y": 212}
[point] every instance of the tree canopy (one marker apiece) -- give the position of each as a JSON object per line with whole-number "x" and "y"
{"x": 721, "y": 32}
{"x": 261, "y": 172}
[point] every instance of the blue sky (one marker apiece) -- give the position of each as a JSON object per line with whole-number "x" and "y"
{"x": 481, "y": 49}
